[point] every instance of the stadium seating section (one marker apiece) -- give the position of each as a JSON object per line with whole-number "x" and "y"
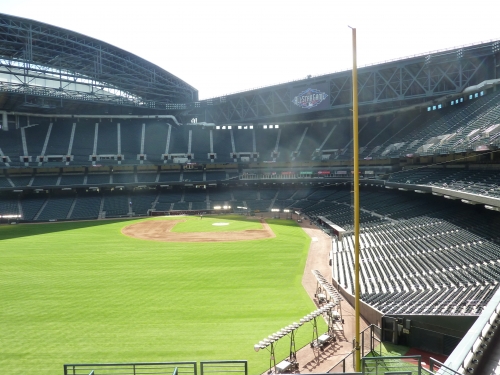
{"x": 481, "y": 182}
{"x": 466, "y": 125}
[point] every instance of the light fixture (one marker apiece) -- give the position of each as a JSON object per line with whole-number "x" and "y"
{"x": 468, "y": 201}
{"x": 271, "y": 341}
{"x": 493, "y": 208}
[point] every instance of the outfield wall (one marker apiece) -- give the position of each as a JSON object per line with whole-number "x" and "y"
{"x": 371, "y": 315}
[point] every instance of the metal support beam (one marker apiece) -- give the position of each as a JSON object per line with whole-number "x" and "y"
{"x": 416, "y": 79}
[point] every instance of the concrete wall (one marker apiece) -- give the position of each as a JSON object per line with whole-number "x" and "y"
{"x": 371, "y": 315}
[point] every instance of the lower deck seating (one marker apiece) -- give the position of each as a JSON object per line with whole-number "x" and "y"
{"x": 116, "y": 205}
{"x": 259, "y": 205}
{"x": 142, "y": 202}
{"x": 57, "y": 208}
{"x": 86, "y": 207}
{"x": 31, "y": 206}
{"x": 198, "y": 205}
{"x": 443, "y": 258}
{"x": 9, "y": 206}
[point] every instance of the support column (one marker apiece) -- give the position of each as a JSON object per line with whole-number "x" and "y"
{"x": 5, "y": 122}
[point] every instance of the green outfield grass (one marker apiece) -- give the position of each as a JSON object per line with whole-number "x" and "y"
{"x": 82, "y": 292}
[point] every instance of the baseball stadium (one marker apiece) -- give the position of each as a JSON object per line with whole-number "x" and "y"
{"x": 145, "y": 231}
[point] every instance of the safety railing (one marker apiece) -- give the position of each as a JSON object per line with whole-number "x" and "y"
{"x": 159, "y": 368}
{"x": 343, "y": 365}
{"x": 474, "y": 346}
{"x": 401, "y": 365}
{"x": 370, "y": 341}
{"x": 223, "y": 367}
{"x": 369, "y": 344}
{"x": 436, "y": 367}
{"x": 138, "y": 368}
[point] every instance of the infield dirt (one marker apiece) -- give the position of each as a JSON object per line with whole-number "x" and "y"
{"x": 161, "y": 230}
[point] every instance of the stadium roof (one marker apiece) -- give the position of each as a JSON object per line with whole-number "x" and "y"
{"x": 44, "y": 60}
{"x": 389, "y": 86}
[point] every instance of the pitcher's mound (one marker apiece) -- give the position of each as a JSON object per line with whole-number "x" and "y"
{"x": 160, "y": 230}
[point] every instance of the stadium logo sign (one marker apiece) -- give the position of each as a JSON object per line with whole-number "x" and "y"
{"x": 309, "y": 98}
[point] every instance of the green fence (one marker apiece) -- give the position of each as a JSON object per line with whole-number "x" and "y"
{"x": 223, "y": 367}
{"x": 159, "y": 368}
{"x": 370, "y": 340}
{"x": 406, "y": 365}
{"x": 369, "y": 344}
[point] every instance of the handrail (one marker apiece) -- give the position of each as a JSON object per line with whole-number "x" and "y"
{"x": 343, "y": 360}
{"x": 440, "y": 366}
{"x": 468, "y": 352}
{"x": 339, "y": 362}
{"x": 132, "y": 368}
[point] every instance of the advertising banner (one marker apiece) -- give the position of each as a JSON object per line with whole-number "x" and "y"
{"x": 310, "y": 98}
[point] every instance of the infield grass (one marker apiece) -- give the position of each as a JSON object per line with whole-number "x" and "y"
{"x": 206, "y": 224}
{"x": 82, "y": 292}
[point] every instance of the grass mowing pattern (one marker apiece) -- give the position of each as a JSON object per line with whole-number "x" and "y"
{"x": 85, "y": 293}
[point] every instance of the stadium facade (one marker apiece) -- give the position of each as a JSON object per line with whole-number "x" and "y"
{"x": 90, "y": 131}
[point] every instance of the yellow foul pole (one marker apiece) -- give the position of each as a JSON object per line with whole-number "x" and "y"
{"x": 357, "y": 352}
